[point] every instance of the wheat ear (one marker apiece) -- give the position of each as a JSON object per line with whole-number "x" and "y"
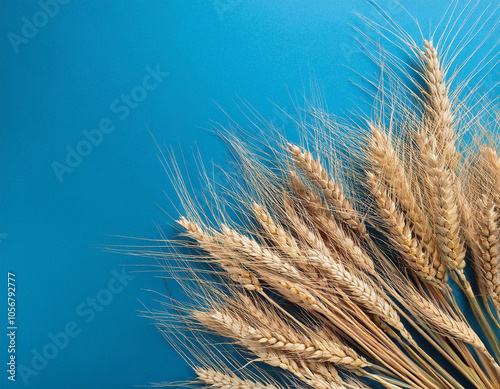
{"x": 443, "y": 322}
{"x": 488, "y": 239}
{"x": 277, "y": 234}
{"x": 218, "y": 379}
{"x": 357, "y": 288}
{"x": 316, "y": 374}
{"x": 360, "y": 289}
{"x": 442, "y": 190}
{"x": 438, "y": 105}
{"x": 308, "y": 234}
{"x": 287, "y": 244}
{"x": 285, "y": 278}
{"x": 221, "y": 256}
{"x": 492, "y": 165}
{"x": 278, "y": 336}
{"x": 325, "y": 221}
{"x": 331, "y": 190}
{"x": 261, "y": 256}
{"x": 387, "y": 165}
{"x": 401, "y": 235}
{"x": 318, "y": 343}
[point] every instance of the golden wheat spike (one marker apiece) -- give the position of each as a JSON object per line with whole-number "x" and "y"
{"x": 226, "y": 380}
{"x": 488, "y": 243}
{"x": 275, "y": 334}
{"x": 388, "y": 167}
{"x": 492, "y": 165}
{"x": 221, "y": 256}
{"x": 325, "y": 221}
{"x": 443, "y": 322}
{"x": 331, "y": 190}
{"x": 401, "y": 236}
{"x": 438, "y": 107}
{"x": 445, "y": 208}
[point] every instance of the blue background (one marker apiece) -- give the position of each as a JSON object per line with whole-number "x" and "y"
{"x": 65, "y": 79}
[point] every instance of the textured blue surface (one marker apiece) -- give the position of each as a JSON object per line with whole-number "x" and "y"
{"x": 69, "y": 77}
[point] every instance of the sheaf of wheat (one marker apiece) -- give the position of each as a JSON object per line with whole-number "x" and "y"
{"x": 341, "y": 264}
